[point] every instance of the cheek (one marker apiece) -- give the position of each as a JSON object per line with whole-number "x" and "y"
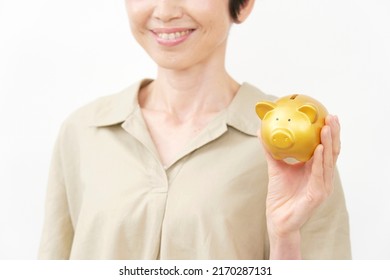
{"x": 215, "y": 32}
{"x": 137, "y": 12}
{"x": 213, "y": 14}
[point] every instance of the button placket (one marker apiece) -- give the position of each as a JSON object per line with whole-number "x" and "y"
{"x": 158, "y": 176}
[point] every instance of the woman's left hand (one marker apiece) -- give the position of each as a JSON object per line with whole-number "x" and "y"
{"x": 296, "y": 190}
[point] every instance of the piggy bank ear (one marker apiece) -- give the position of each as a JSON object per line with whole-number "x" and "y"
{"x": 310, "y": 111}
{"x": 262, "y": 108}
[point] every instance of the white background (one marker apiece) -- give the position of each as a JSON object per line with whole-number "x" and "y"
{"x": 58, "y": 55}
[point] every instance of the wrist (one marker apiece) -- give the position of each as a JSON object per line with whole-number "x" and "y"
{"x": 286, "y": 247}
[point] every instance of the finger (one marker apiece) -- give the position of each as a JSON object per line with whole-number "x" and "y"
{"x": 334, "y": 124}
{"x": 317, "y": 170}
{"x": 328, "y": 161}
{"x": 273, "y": 164}
{"x": 316, "y": 191}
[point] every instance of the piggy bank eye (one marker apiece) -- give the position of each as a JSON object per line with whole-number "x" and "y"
{"x": 289, "y": 120}
{"x": 277, "y": 119}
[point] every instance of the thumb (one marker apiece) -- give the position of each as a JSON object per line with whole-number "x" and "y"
{"x": 273, "y": 164}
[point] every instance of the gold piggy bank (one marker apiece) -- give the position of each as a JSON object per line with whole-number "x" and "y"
{"x": 291, "y": 126}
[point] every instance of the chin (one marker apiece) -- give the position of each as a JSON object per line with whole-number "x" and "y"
{"x": 171, "y": 63}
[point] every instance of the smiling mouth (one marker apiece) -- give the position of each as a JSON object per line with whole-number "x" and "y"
{"x": 171, "y": 36}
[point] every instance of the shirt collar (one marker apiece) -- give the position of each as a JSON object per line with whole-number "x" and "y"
{"x": 115, "y": 109}
{"x": 240, "y": 114}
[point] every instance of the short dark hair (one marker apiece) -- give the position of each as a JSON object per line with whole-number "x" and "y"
{"x": 235, "y": 8}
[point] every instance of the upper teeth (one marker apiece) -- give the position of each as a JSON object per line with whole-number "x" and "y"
{"x": 172, "y": 36}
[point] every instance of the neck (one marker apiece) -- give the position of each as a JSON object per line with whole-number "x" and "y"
{"x": 191, "y": 92}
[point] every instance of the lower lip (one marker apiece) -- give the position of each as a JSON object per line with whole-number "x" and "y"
{"x": 172, "y": 42}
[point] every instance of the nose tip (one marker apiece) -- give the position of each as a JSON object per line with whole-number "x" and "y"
{"x": 282, "y": 139}
{"x": 167, "y": 10}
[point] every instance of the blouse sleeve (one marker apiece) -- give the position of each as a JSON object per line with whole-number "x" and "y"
{"x": 326, "y": 234}
{"x": 57, "y": 235}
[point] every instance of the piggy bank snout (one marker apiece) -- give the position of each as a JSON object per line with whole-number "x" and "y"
{"x": 282, "y": 138}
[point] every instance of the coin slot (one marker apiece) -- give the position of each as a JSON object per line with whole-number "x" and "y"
{"x": 293, "y": 96}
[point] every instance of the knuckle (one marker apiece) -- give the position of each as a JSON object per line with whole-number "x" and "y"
{"x": 337, "y": 151}
{"x": 318, "y": 197}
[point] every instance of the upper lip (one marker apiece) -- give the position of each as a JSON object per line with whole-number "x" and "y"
{"x": 170, "y": 29}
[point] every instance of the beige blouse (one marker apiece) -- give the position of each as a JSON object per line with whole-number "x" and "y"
{"x": 109, "y": 196}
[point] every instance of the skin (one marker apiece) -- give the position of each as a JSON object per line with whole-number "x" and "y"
{"x": 296, "y": 190}
{"x": 178, "y": 102}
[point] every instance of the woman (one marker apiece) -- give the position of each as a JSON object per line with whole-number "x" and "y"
{"x": 172, "y": 168}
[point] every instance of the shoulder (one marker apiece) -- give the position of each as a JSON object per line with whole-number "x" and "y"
{"x": 241, "y": 112}
{"x": 106, "y": 110}
{"x": 253, "y": 92}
